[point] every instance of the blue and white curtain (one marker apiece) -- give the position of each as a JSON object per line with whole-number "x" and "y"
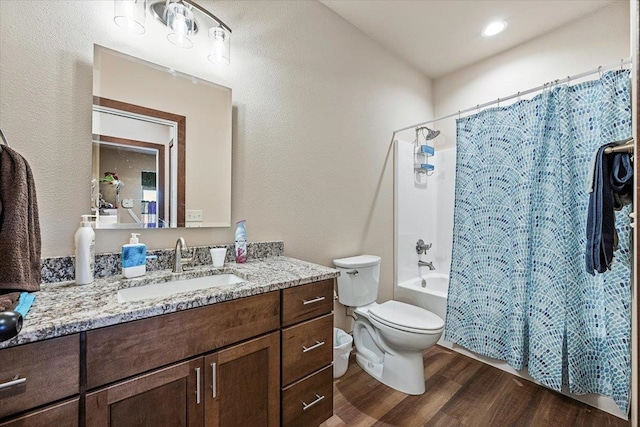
{"x": 518, "y": 290}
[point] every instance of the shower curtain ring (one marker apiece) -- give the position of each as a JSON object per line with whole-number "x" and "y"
{"x": 458, "y": 114}
{"x": 518, "y": 96}
{"x": 600, "y": 72}
{"x": 621, "y": 64}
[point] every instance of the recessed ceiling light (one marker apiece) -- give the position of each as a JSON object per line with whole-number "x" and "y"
{"x": 496, "y": 27}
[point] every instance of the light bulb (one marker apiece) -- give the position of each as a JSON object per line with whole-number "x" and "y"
{"x": 219, "y": 45}
{"x": 130, "y": 15}
{"x": 180, "y": 24}
{"x": 495, "y": 27}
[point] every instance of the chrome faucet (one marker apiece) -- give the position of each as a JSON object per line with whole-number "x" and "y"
{"x": 177, "y": 256}
{"x": 428, "y": 264}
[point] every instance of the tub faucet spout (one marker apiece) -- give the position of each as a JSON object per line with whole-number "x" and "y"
{"x": 428, "y": 264}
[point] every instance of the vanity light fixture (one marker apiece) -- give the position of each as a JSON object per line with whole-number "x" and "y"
{"x": 187, "y": 24}
{"x": 495, "y": 27}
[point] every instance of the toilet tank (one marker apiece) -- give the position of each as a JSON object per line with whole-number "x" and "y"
{"x": 358, "y": 280}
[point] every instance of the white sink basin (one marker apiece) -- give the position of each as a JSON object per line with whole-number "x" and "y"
{"x": 170, "y": 288}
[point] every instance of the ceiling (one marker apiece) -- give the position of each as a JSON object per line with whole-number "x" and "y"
{"x": 441, "y": 36}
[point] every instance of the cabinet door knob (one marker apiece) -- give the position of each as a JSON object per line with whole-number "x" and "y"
{"x": 214, "y": 386}
{"x": 306, "y": 406}
{"x": 316, "y": 345}
{"x": 198, "y": 386}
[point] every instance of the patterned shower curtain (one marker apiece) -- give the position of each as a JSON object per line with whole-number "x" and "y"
{"x": 518, "y": 288}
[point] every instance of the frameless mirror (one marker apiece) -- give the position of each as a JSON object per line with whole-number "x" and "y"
{"x": 161, "y": 146}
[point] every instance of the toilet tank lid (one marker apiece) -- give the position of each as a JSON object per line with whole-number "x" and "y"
{"x": 357, "y": 261}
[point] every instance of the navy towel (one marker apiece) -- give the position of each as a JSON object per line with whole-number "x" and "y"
{"x": 612, "y": 183}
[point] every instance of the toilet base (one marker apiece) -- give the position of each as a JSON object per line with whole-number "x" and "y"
{"x": 403, "y": 372}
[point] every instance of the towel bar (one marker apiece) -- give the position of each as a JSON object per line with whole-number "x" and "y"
{"x": 626, "y": 146}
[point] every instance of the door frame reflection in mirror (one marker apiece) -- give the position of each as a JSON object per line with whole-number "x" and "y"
{"x": 158, "y": 150}
{"x": 176, "y": 169}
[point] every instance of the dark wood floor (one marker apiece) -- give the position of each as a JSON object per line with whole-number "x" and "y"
{"x": 460, "y": 392}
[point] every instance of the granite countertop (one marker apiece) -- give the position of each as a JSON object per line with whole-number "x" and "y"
{"x": 65, "y": 308}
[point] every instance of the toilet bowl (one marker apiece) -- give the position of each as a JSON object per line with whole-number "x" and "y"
{"x": 389, "y": 337}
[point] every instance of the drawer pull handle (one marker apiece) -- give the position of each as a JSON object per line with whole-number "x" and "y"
{"x": 316, "y": 345}
{"x": 311, "y": 301}
{"x": 14, "y": 382}
{"x": 197, "y": 386}
{"x": 307, "y": 406}
{"x": 214, "y": 386}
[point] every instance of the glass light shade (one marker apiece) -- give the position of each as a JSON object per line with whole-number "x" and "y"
{"x": 219, "y": 45}
{"x": 130, "y": 15}
{"x": 180, "y": 24}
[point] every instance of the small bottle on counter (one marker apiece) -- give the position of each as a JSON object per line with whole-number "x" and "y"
{"x": 134, "y": 258}
{"x": 85, "y": 239}
{"x": 241, "y": 242}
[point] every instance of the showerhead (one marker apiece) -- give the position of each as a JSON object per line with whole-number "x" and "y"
{"x": 431, "y": 134}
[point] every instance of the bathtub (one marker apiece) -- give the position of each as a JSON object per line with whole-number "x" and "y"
{"x": 432, "y": 297}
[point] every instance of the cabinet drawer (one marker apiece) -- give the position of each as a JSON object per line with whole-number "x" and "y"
{"x": 43, "y": 372}
{"x": 306, "y": 347}
{"x": 309, "y": 402}
{"x": 307, "y": 301}
{"x": 121, "y": 351}
{"x": 63, "y": 414}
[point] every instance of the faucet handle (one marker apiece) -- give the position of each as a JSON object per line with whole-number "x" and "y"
{"x": 421, "y": 247}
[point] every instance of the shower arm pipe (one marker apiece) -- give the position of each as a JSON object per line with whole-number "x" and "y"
{"x": 547, "y": 85}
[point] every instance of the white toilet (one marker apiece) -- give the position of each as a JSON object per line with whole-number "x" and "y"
{"x": 389, "y": 337}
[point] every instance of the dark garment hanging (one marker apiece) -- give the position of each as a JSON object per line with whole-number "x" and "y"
{"x": 612, "y": 188}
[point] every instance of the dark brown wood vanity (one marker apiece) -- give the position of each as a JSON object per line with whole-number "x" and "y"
{"x": 262, "y": 360}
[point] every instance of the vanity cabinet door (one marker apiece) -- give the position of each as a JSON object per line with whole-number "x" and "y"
{"x": 167, "y": 397}
{"x": 242, "y": 384}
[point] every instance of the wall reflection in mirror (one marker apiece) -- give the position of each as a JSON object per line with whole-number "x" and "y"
{"x": 161, "y": 146}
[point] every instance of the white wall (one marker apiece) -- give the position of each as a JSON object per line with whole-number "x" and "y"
{"x": 315, "y": 103}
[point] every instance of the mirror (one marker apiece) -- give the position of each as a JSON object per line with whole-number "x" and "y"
{"x": 161, "y": 146}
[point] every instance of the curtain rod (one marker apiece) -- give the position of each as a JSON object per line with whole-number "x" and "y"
{"x": 568, "y": 79}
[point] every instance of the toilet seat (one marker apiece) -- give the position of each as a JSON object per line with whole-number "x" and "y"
{"x": 406, "y": 317}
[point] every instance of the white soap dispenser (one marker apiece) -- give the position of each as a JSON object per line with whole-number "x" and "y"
{"x": 85, "y": 251}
